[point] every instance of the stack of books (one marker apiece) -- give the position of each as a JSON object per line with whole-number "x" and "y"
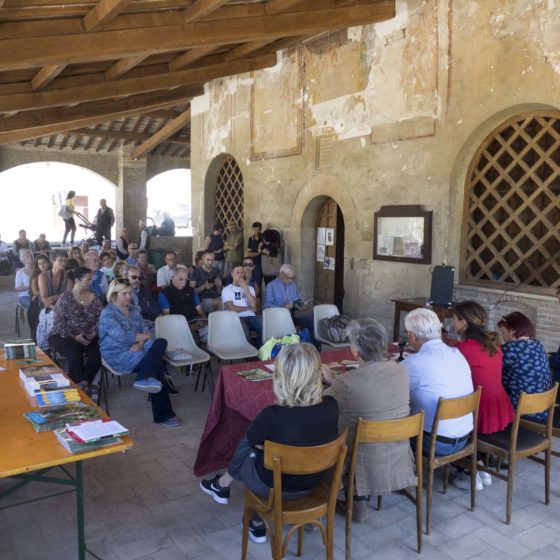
{"x": 84, "y": 436}
{"x": 48, "y": 384}
{"x": 20, "y": 348}
{"x": 56, "y": 417}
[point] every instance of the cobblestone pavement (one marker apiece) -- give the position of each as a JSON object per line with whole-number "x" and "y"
{"x": 146, "y": 504}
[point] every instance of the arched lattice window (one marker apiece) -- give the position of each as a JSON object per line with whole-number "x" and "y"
{"x": 511, "y": 227}
{"x": 229, "y": 193}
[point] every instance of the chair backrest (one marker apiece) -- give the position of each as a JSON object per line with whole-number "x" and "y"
{"x": 387, "y": 431}
{"x": 447, "y": 409}
{"x": 224, "y": 329}
{"x": 175, "y": 329}
{"x": 323, "y": 311}
{"x": 277, "y": 322}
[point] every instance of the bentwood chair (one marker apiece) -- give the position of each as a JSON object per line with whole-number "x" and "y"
{"x": 386, "y": 431}
{"x": 325, "y": 311}
{"x": 448, "y": 409}
{"x": 519, "y": 440}
{"x": 277, "y": 512}
{"x": 175, "y": 329}
{"x": 277, "y": 322}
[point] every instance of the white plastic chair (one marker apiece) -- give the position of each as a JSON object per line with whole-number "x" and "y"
{"x": 175, "y": 329}
{"x": 277, "y": 322}
{"x": 325, "y": 311}
{"x": 106, "y": 369}
{"x": 226, "y": 338}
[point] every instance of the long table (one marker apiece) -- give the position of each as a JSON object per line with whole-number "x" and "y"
{"x": 27, "y": 456}
{"x": 235, "y": 405}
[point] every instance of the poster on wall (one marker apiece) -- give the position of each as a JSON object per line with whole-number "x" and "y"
{"x": 321, "y": 236}
{"x": 320, "y": 253}
{"x": 328, "y": 263}
{"x": 329, "y": 236}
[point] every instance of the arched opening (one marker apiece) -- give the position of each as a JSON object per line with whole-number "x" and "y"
{"x": 34, "y": 192}
{"x": 170, "y": 192}
{"x": 323, "y": 237}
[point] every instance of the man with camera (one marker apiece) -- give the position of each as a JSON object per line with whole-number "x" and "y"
{"x": 206, "y": 282}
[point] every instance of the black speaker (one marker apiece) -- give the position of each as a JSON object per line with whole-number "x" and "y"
{"x": 441, "y": 292}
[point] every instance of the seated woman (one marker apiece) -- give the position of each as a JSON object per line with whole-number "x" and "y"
{"x": 302, "y": 417}
{"x": 23, "y": 277}
{"x": 76, "y": 253}
{"x": 120, "y": 270}
{"x": 42, "y": 264}
{"x": 127, "y": 348}
{"x": 53, "y": 282}
{"x": 107, "y": 263}
{"x": 74, "y": 333}
{"x": 525, "y": 362}
{"x": 377, "y": 390}
{"x": 481, "y": 349}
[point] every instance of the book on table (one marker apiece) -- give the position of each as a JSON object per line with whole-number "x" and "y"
{"x": 94, "y": 430}
{"x": 74, "y": 446}
{"x": 256, "y": 374}
{"x": 55, "y": 417}
{"x": 58, "y": 397}
{"x": 45, "y": 382}
{"x": 20, "y": 348}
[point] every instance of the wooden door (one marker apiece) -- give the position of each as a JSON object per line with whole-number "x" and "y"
{"x": 329, "y": 247}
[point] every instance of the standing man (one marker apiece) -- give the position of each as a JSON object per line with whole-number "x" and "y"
{"x": 98, "y": 284}
{"x": 103, "y": 222}
{"x": 164, "y": 273}
{"x": 240, "y": 297}
{"x": 215, "y": 243}
{"x": 233, "y": 247}
{"x": 167, "y": 226}
{"x": 205, "y": 280}
{"x": 144, "y": 239}
{"x": 253, "y": 250}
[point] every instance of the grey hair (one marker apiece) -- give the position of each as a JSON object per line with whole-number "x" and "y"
{"x": 424, "y": 323}
{"x": 177, "y": 269}
{"x": 24, "y": 252}
{"x": 369, "y": 338}
{"x": 286, "y": 268}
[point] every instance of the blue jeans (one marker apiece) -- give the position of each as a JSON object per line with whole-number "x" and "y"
{"x": 254, "y": 324}
{"x": 306, "y": 322}
{"x": 442, "y": 448}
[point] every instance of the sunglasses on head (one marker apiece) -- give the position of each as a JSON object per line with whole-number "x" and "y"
{"x": 248, "y": 264}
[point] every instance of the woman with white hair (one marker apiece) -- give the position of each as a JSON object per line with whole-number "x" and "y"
{"x": 302, "y": 417}
{"x": 377, "y": 390}
{"x": 23, "y": 277}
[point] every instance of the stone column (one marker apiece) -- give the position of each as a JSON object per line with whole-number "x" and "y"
{"x": 131, "y": 198}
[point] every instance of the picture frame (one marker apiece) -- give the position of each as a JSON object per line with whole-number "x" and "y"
{"x": 403, "y": 234}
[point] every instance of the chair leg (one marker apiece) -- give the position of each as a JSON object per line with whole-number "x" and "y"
{"x": 511, "y": 474}
{"x": 446, "y": 478}
{"x": 429, "y": 489}
{"x": 419, "y": 515}
{"x": 104, "y": 389}
{"x": 198, "y": 378}
{"x": 473, "y": 480}
{"x": 547, "y": 460}
{"x": 300, "y": 541}
{"x": 379, "y": 502}
{"x": 245, "y": 532}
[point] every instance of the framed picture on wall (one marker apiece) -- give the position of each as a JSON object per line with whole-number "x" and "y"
{"x": 403, "y": 234}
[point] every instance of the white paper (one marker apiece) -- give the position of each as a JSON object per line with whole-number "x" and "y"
{"x": 271, "y": 367}
{"x": 320, "y": 253}
{"x": 88, "y": 431}
{"x": 329, "y": 236}
{"x": 321, "y": 235}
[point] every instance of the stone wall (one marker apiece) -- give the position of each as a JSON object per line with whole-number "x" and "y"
{"x": 384, "y": 114}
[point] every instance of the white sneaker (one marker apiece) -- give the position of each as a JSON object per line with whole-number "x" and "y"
{"x": 485, "y": 478}
{"x": 462, "y": 480}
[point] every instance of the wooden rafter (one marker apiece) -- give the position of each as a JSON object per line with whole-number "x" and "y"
{"x": 46, "y": 75}
{"x": 123, "y": 66}
{"x": 201, "y": 8}
{"x": 192, "y": 55}
{"x": 244, "y": 50}
{"x": 163, "y": 134}
{"x": 103, "y": 13}
{"x": 278, "y": 6}
{"x": 122, "y": 135}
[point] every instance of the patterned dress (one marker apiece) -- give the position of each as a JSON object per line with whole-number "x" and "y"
{"x": 525, "y": 368}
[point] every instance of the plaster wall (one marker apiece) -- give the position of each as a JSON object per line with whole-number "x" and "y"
{"x": 408, "y": 102}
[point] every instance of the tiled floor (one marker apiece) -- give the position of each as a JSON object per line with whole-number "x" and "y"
{"x": 146, "y": 504}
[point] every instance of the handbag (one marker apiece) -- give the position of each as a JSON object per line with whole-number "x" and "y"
{"x": 64, "y": 213}
{"x": 44, "y": 328}
{"x": 333, "y": 329}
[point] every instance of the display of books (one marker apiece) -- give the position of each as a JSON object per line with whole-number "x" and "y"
{"x": 96, "y": 429}
{"x": 20, "y": 348}
{"x": 32, "y": 371}
{"x": 37, "y": 383}
{"x": 55, "y": 398}
{"x": 74, "y": 446}
{"x": 256, "y": 374}
{"x": 56, "y": 417}
{"x": 40, "y": 361}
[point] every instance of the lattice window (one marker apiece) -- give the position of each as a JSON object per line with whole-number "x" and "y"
{"x": 511, "y": 230}
{"x": 229, "y": 193}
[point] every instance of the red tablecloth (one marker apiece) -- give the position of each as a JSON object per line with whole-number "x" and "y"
{"x": 235, "y": 405}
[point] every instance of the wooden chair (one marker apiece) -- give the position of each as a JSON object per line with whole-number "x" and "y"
{"x": 275, "y": 512}
{"x": 386, "y": 431}
{"x": 447, "y": 409}
{"x": 519, "y": 440}
{"x": 540, "y": 427}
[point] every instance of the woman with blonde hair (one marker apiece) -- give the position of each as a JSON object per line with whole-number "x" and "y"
{"x": 120, "y": 270}
{"x": 301, "y": 417}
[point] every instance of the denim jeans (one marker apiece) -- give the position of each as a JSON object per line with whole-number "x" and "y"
{"x": 442, "y": 448}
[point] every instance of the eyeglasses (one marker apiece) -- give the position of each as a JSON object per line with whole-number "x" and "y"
{"x": 124, "y": 281}
{"x": 134, "y": 277}
{"x": 249, "y": 264}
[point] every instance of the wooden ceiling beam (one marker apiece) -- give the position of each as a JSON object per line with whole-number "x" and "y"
{"x": 110, "y": 45}
{"x": 128, "y": 136}
{"x": 202, "y": 8}
{"x": 34, "y": 124}
{"x": 246, "y": 49}
{"x": 163, "y": 134}
{"x": 123, "y": 66}
{"x": 131, "y": 86}
{"x": 192, "y": 55}
{"x": 105, "y": 12}
{"x": 274, "y": 7}
{"x": 46, "y": 75}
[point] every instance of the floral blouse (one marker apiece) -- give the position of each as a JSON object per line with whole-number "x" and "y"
{"x": 525, "y": 368}
{"x": 72, "y": 318}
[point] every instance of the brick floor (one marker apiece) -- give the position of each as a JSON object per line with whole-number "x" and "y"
{"x": 146, "y": 504}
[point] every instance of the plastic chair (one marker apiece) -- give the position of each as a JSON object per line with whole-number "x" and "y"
{"x": 175, "y": 329}
{"x": 277, "y": 322}
{"x": 519, "y": 441}
{"x": 105, "y": 370}
{"x": 226, "y": 338}
{"x": 325, "y": 311}
{"x": 275, "y": 512}
{"x": 20, "y": 318}
{"x": 387, "y": 431}
{"x": 448, "y": 409}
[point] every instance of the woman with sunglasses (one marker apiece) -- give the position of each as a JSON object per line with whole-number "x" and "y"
{"x": 127, "y": 347}
{"x": 525, "y": 362}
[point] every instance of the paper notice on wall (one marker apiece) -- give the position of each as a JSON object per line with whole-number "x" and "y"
{"x": 320, "y": 253}
{"x": 321, "y": 232}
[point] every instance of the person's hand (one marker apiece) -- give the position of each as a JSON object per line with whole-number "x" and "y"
{"x": 243, "y": 283}
{"x": 327, "y": 374}
{"x": 142, "y": 337}
{"x": 218, "y": 282}
{"x": 137, "y": 347}
{"x": 81, "y": 339}
{"x": 208, "y": 285}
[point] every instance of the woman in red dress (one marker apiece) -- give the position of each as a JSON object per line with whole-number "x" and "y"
{"x": 481, "y": 349}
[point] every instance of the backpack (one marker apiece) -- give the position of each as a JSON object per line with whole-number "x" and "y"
{"x": 334, "y": 328}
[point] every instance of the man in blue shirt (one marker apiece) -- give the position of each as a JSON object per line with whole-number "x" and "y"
{"x": 98, "y": 284}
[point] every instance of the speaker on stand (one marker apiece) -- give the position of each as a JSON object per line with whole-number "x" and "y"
{"x": 441, "y": 291}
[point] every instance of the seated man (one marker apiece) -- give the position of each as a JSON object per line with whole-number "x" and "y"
{"x": 164, "y": 273}
{"x": 377, "y": 390}
{"x": 41, "y": 245}
{"x": 147, "y": 270}
{"x": 131, "y": 259}
{"x": 180, "y": 299}
{"x": 205, "y": 280}
{"x": 142, "y": 297}
{"x": 240, "y": 297}
{"x": 436, "y": 370}
{"x": 283, "y": 292}
{"x": 99, "y": 284}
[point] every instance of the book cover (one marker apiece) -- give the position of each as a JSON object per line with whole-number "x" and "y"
{"x": 54, "y": 398}
{"x": 52, "y": 418}
{"x": 32, "y": 371}
{"x": 74, "y": 446}
{"x": 256, "y": 374}
{"x": 21, "y": 348}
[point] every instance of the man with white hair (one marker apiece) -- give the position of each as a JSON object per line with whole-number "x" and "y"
{"x": 98, "y": 284}
{"x": 436, "y": 370}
